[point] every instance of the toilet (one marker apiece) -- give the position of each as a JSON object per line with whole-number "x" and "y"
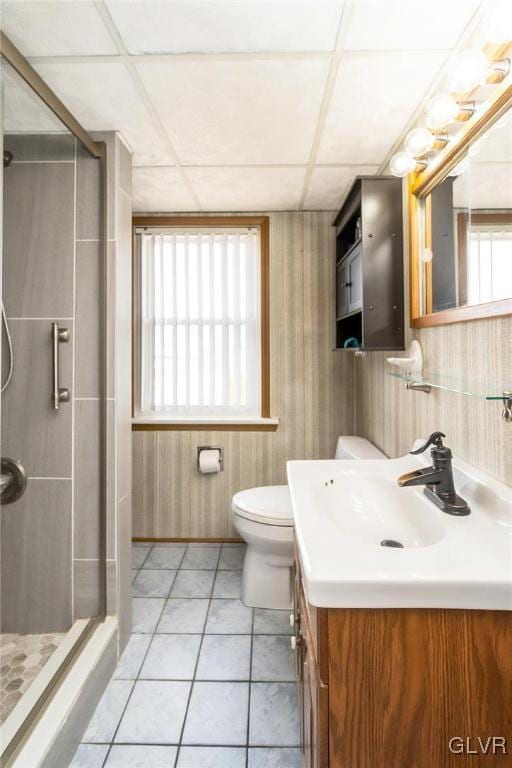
{"x": 264, "y": 519}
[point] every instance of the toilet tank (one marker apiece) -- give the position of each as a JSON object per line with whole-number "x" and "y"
{"x": 352, "y": 447}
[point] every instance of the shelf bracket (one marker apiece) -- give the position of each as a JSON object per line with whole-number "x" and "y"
{"x": 507, "y": 407}
{"x": 417, "y": 387}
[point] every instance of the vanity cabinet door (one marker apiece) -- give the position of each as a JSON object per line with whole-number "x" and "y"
{"x": 342, "y": 289}
{"x": 308, "y": 715}
{"x": 355, "y": 281}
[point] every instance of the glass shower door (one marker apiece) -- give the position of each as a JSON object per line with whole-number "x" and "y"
{"x": 52, "y": 538}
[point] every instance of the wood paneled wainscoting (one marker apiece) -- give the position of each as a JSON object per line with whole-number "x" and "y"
{"x": 311, "y": 393}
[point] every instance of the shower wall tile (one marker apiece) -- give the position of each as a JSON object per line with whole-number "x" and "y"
{"x": 87, "y": 315}
{"x": 42, "y": 439}
{"x": 87, "y": 586}
{"x": 38, "y": 257}
{"x": 88, "y": 201}
{"x": 41, "y": 147}
{"x": 88, "y": 363}
{"x": 36, "y": 559}
{"x": 87, "y": 480}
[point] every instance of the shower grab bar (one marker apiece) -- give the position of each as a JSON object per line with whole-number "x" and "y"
{"x": 59, "y": 394}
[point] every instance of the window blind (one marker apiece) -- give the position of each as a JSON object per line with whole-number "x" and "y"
{"x": 200, "y": 322}
{"x": 490, "y": 264}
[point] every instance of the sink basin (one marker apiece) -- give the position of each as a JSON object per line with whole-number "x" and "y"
{"x": 369, "y": 508}
{"x": 365, "y": 542}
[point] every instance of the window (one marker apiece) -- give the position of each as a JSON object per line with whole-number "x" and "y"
{"x": 490, "y": 263}
{"x": 202, "y": 343}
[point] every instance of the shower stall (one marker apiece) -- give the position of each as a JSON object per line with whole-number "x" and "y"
{"x": 60, "y": 554}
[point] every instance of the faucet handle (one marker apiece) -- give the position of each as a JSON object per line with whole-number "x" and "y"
{"x": 436, "y": 438}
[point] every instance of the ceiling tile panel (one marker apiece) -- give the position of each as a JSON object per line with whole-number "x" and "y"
{"x": 218, "y": 27}
{"x": 103, "y": 98}
{"x": 56, "y": 28}
{"x": 329, "y": 185}
{"x": 22, "y": 110}
{"x": 373, "y": 99}
{"x": 247, "y": 189}
{"x": 160, "y": 190}
{"x": 238, "y": 112}
{"x": 407, "y": 24}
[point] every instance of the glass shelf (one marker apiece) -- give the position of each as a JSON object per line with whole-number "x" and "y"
{"x": 480, "y": 389}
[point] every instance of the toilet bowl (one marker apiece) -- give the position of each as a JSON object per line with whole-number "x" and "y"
{"x": 264, "y": 519}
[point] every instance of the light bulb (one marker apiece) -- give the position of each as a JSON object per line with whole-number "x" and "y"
{"x": 419, "y": 141}
{"x": 402, "y": 164}
{"x": 441, "y": 111}
{"x": 470, "y": 69}
{"x": 498, "y": 23}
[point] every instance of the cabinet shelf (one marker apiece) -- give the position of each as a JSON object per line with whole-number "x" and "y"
{"x": 349, "y": 251}
{"x": 369, "y": 266}
{"x": 479, "y": 389}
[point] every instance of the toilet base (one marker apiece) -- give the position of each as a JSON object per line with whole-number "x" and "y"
{"x": 267, "y": 580}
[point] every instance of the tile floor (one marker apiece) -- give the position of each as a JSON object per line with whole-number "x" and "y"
{"x": 204, "y": 682}
{"x": 22, "y": 657}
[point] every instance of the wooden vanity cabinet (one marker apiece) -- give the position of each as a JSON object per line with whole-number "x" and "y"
{"x": 312, "y": 678}
{"x": 389, "y": 688}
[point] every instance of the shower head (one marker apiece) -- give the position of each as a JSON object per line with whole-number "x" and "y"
{"x": 8, "y": 158}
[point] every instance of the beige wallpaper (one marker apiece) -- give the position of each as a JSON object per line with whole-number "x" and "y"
{"x": 311, "y": 393}
{"x": 474, "y": 352}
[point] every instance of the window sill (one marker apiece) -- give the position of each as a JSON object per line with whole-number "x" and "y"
{"x": 159, "y": 423}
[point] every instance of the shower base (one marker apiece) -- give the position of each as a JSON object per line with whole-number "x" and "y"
{"x": 22, "y": 657}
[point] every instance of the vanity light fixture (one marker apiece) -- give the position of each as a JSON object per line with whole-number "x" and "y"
{"x": 444, "y": 109}
{"x": 420, "y": 140}
{"x": 497, "y": 26}
{"x": 472, "y": 68}
{"x": 402, "y": 164}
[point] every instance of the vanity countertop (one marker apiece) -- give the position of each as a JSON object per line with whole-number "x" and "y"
{"x": 343, "y": 510}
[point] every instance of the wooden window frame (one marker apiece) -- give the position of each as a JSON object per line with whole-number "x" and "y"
{"x": 421, "y": 185}
{"x": 262, "y": 222}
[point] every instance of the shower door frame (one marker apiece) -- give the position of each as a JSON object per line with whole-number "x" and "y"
{"x": 97, "y": 149}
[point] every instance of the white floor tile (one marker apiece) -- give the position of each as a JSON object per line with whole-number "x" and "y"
{"x": 183, "y": 614}
{"x": 171, "y": 657}
{"x": 104, "y": 722}
{"x": 146, "y": 612}
{"x": 155, "y": 713}
{"x": 132, "y": 658}
{"x": 211, "y": 757}
{"x": 224, "y": 657}
{"x": 274, "y": 717}
{"x": 217, "y": 714}
{"x": 138, "y": 756}
{"x": 89, "y": 756}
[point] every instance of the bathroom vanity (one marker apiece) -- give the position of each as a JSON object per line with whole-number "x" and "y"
{"x": 395, "y": 655}
{"x": 382, "y": 688}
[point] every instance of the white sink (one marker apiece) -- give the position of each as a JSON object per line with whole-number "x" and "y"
{"x": 344, "y": 510}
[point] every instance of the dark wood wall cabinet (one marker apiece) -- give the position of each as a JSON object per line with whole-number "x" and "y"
{"x": 370, "y": 266}
{"x": 403, "y": 688}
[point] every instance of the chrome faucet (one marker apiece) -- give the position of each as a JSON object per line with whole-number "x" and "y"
{"x": 437, "y": 479}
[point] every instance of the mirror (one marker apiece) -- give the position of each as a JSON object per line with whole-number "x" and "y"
{"x": 466, "y": 227}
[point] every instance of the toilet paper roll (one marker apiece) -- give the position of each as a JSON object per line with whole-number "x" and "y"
{"x": 209, "y": 461}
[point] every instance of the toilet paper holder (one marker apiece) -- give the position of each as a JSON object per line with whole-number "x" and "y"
{"x": 218, "y": 448}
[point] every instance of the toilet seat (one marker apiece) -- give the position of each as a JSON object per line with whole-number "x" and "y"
{"x": 268, "y": 505}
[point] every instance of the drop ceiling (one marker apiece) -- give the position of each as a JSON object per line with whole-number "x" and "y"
{"x": 242, "y": 106}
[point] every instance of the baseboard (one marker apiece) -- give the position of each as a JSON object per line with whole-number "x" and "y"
{"x": 183, "y": 539}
